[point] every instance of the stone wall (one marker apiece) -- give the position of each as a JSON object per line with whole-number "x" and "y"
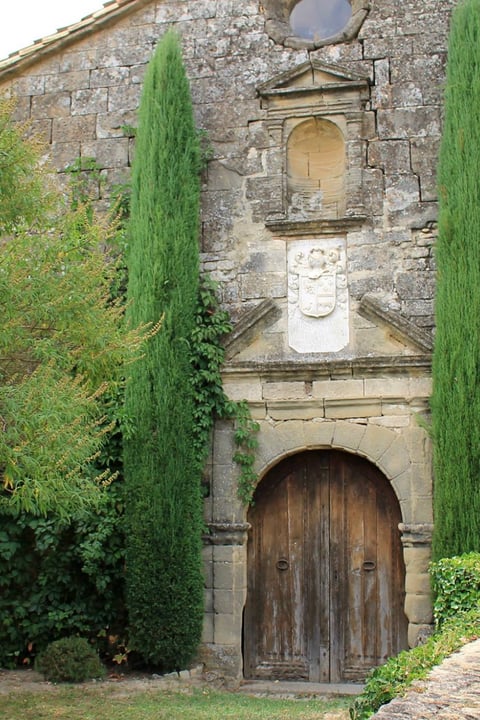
{"x": 356, "y": 376}
{"x": 81, "y": 97}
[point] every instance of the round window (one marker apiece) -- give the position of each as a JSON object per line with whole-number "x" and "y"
{"x": 317, "y": 20}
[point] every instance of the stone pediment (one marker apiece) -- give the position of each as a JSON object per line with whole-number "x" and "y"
{"x": 313, "y": 76}
{"x": 388, "y": 335}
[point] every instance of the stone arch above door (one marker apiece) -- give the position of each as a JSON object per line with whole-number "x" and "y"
{"x": 388, "y": 450}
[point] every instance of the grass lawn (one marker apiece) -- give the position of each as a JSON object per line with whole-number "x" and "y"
{"x": 86, "y": 702}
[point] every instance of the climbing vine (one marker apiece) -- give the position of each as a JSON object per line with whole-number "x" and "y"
{"x": 207, "y": 357}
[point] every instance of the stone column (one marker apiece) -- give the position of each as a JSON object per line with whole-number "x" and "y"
{"x": 226, "y": 586}
{"x": 417, "y": 543}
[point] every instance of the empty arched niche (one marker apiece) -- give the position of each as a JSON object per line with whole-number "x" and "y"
{"x": 316, "y": 170}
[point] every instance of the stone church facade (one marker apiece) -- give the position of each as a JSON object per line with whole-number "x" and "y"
{"x": 318, "y": 222}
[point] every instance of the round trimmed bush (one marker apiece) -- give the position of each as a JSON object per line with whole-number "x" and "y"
{"x": 70, "y": 659}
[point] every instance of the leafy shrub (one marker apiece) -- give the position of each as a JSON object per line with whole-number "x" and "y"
{"x": 456, "y": 586}
{"x": 392, "y": 679}
{"x": 60, "y": 578}
{"x": 70, "y": 659}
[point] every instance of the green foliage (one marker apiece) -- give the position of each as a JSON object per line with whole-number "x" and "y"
{"x": 63, "y": 342}
{"x": 456, "y": 360}
{"x": 456, "y": 586}
{"x": 207, "y": 357}
{"x": 25, "y": 192}
{"x": 392, "y": 679}
{"x": 245, "y": 436}
{"x": 60, "y": 577}
{"x": 85, "y": 183}
{"x": 162, "y": 468}
{"x": 70, "y": 659}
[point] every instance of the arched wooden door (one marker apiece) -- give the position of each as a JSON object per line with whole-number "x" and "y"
{"x": 325, "y": 571}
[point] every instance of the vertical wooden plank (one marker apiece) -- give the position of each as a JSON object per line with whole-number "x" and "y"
{"x": 317, "y": 532}
{"x": 338, "y": 608}
{"x": 274, "y": 635}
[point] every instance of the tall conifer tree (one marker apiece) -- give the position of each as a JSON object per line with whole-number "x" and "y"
{"x": 456, "y": 361}
{"x": 163, "y": 497}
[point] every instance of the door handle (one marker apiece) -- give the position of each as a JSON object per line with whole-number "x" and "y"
{"x": 369, "y": 565}
{"x": 282, "y": 564}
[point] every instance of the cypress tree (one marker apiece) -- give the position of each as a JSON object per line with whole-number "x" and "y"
{"x": 164, "y": 584}
{"x": 456, "y": 361}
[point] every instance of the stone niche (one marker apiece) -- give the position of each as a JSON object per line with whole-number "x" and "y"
{"x": 319, "y": 111}
{"x": 315, "y": 169}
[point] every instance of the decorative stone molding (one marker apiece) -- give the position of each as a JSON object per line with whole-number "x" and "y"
{"x": 320, "y": 102}
{"x": 373, "y": 309}
{"x": 226, "y": 533}
{"x": 250, "y": 325}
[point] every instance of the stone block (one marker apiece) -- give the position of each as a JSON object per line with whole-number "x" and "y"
{"x": 418, "y": 584}
{"x": 108, "y": 153}
{"x": 121, "y": 98}
{"x": 109, "y": 76}
{"x": 30, "y": 85}
{"x": 419, "y": 444}
{"x": 422, "y": 505}
{"x": 391, "y": 421}
{"x": 263, "y": 285}
{"x": 417, "y": 634}
{"x": 67, "y": 81}
{"x": 406, "y": 123}
{"x": 402, "y": 485}
{"x": 223, "y": 430}
{"x": 75, "y": 60}
{"x": 387, "y": 387}
{"x": 207, "y": 630}
{"x": 228, "y": 508}
{"x": 393, "y": 156}
{"x": 294, "y": 410}
{"x": 355, "y": 408}
{"x": 63, "y": 154}
{"x": 319, "y": 434}
{"x": 375, "y": 441}
{"x": 51, "y": 105}
{"x": 395, "y": 460}
{"x": 418, "y": 609}
{"x": 338, "y": 389}
{"x": 246, "y": 388}
{"x": 417, "y": 559}
{"x": 223, "y": 574}
{"x": 227, "y": 629}
{"x": 229, "y": 602}
{"x": 401, "y": 192}
{"x": 347, "y": 435}
{"x": 85, "y": 102}
{"x": 283, "y": 390}
{"x": 111, "y": 124}
{"x": 72, "y": 129}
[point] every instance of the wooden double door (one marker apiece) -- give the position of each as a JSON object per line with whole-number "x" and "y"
{"x": 325, "y": 571}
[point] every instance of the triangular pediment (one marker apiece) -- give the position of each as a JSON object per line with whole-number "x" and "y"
{"x": 311, "y": 75}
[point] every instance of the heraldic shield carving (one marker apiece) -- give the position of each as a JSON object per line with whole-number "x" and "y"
{"x": 317, "y": 296}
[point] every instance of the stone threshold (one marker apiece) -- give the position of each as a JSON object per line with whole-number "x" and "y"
{"x": 294, "y": 688}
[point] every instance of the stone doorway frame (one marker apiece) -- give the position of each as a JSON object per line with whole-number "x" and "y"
{"x": 404, "y": 457}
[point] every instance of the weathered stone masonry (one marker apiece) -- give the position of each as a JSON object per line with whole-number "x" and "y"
{"x": 260, "y": 95}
